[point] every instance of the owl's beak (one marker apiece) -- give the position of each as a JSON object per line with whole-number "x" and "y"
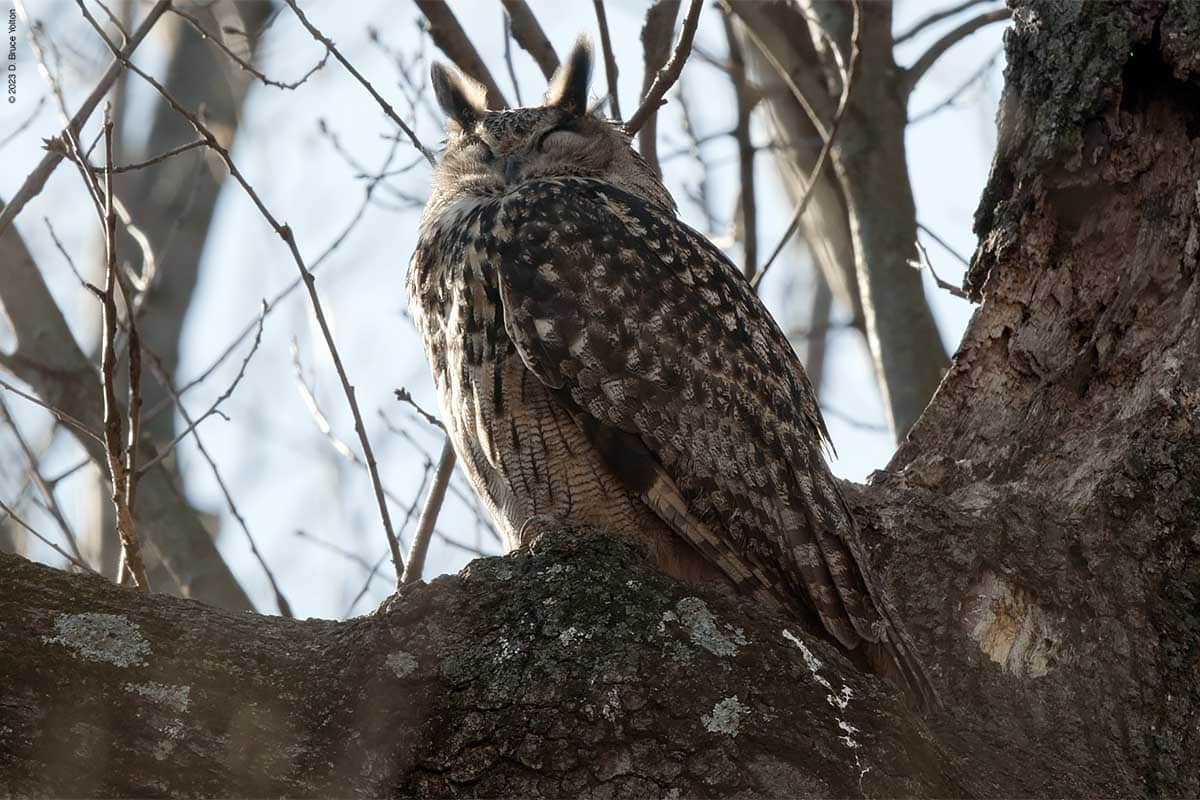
{"x": 512, "y": 168}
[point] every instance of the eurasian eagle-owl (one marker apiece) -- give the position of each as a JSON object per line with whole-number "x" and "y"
{"x": 597, "y": 360}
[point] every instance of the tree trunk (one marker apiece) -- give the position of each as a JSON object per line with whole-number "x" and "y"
{"x": 1039, "y": 534}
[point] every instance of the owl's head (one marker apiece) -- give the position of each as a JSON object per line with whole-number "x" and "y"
{"x": 492, "y": 152}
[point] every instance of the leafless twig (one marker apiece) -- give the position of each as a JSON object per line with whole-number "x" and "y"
{"x": 508, "y": 62}
{"x": 215, "y": 408}
{"x": 656, "y": 47}
{"x": 429, "y": 515}
{"x": 747, "y": 200}
{"x": 37, "y": 179}
{"x": 43, "y": 487}
{"x": 937, "y": 17}
{"x": 922, "y": 262}
{"x": 285, "y": 232}
{"x": 114, "y": 448}
{"x": 404, "y": 396}
{"x": 241, "y": 62}
{"x": 387, "y": 108}
{"x": 7, "y": 510}
{"x": 823, "y": 155}
{"x": 528, "y": 32}
{"x": 57, "y": 412}
{"x": 956, "y": 92}
{"x": 174, "y": 151}
{"x": 919, "y": 67}
{"x": 959, "y": 257}
{"x": 610, "y": 61}
{"x": 666, "y": 77}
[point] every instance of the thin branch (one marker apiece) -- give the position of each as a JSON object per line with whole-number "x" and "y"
{"x": 174, "y": 151}
{"x": 387, "y": 108}
{"x": 508, "y": 62}
{"x": 528, "y": 32}
{"x": 36, "y": 180}
{"x": 24, "y": 126}
{"x": 246, "y": 66}
{"x": 610, "y": 61}
{"x": 58, "y": 413}
{"x": 922, "y": 262}
{"x": 114, "y": 448}
{"x": 429, "y": 515}
{"x": 314, "y": 410}
{"x": 160, "y": 373}
{"x": 666, "y": 77}
{"x": 952, "y": 97}
{"x": 214, "y": 409}
{"x": 285, "y": 232}
{"x": 937, "y": 17}
{"x": 913, "y": 74}
{"x": 43, "y": 487}
{"x": 656, "y": 48}
{"x": 748, "y": 211}
{"x": 452, "y": 40}
{"x": 7, "y": 510}
{"x": 404, "y": 396}
{"x": 959, "y": 257}
{"x": 823, "y": 155}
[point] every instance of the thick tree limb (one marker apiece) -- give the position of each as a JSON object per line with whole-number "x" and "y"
{"x": 452, "y": 40}
{"x": 528, "y": 32}
{"x": 656, "y": 48}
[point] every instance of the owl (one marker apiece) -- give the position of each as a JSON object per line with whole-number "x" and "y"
{"x": 596, "y": 360}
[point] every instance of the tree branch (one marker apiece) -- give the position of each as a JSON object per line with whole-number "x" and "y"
{"x": 665, "y": 78}
{"x": 610, "y": 61}
{"x": 913, "y": 74}
{"x": 529, "y": 35}
{"x": 452, "y": 40}
{"x": 33, "y": 184}
{"x": 937, "y": 17}
{"x": 656, "y": 48}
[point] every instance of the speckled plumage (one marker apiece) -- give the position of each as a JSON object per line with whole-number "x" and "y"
{"x": 595, "y": 358}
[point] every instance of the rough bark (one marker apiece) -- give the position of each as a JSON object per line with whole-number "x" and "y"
{"x": 1039, "y": 534}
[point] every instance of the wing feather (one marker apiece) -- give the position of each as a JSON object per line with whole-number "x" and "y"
{"x": 651, "y": 331}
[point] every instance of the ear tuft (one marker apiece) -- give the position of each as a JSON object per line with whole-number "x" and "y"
{"x": 569, "y": 86}
{"x": 460, "y": 97}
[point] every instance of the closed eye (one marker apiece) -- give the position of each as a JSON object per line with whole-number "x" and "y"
{"x": 541, "y": 145}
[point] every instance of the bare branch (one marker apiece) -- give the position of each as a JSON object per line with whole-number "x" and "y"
{"x": 822, "y": 157}
{"x": 429, "y": 515}
{"x": 949, "y": 101}
{"x": 914, "y": 73}
{"x": 404, "y": 396}
{"x": 666, "y": 77}
{"x": 131, "y": 551}
{"x": 922, "y": 262}
{"x": 610, "y": 61}
{"x": 285, "y": 233}
{"x": 508, "y": 62}
{"x": 43, "y": 486}
{"x": 214, "y": 409}
{"x": 387, "y": 108}
{"x": 937, "y": 17}
{"x": 34, "y": 182}
{"x": 748, "y": 211}
{"x": 656, "y": 47}
{"x": 959, "y": 257}
{"x": 528, "y": 32}
{"x": 7, "y": 510}
{"x": 452, "y": 40}
{"x": 174, "y": 151}
{"x": 241, "y": 62}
